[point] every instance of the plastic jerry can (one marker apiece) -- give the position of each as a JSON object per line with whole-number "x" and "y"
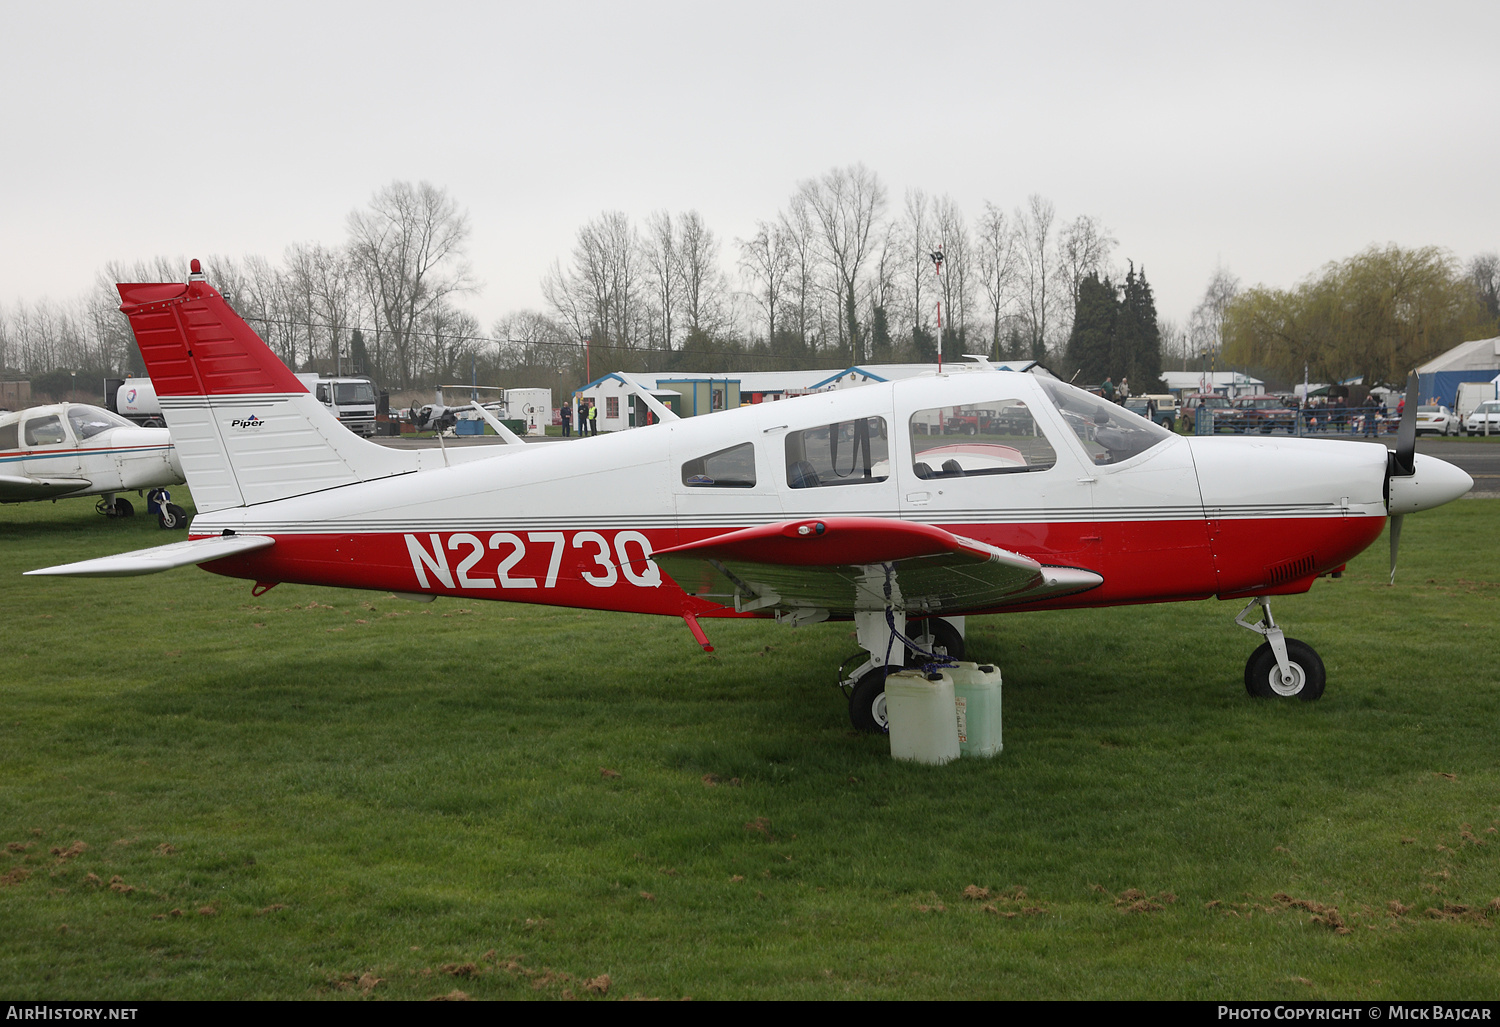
{"x": 976, "y": 692}
{"x": 919, "y": 708}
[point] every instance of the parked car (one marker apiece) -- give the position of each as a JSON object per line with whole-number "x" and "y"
{"x": 1263, "y": 414}
{"x": 1485, "y": 418}
{"x": 1212, "y": 401}
{"x": 1438, "y": 420}
{"x": 1166, "y": 408}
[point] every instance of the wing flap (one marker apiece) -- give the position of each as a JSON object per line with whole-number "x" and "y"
{"x": 160, "y": 558}
{"x": 848, "y": 564}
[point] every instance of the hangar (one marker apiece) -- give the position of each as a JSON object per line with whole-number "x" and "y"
{"x": 1475, "y": 361}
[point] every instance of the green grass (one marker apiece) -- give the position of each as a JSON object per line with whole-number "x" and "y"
{"x": 328, "y": 786}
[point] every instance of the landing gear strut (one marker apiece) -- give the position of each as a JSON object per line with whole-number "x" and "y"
{"x": 112, "y": 506}
{"x": 1281, "y": 666}
{"x": 884, "y": 633}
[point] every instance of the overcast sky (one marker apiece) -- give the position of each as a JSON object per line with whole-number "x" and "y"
{"x": 1266, "y": 137}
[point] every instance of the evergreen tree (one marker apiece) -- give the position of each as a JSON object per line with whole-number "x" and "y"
{"x": 1091, "y": 348}
{"x": 882, "y": 349}
{"x": 358, "y": 356}
{"x": 923, "y": 346}
{"x": 1137, "y": 350}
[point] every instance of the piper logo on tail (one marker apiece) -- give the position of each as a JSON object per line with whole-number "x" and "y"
{"x": 246, "y": 422}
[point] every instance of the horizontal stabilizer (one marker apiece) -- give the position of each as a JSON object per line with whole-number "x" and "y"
{"x": 848, "y": 564}
{"x": 161, "y": 558}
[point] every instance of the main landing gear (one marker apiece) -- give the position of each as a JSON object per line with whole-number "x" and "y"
{"x": 1281, "y": 666}
{"x": 158, "y": 501}
{"x": 883, "y": 636}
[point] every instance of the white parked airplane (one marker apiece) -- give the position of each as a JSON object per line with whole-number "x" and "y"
{"x": 73, "y": 449}
{"x": 852, "y": 505}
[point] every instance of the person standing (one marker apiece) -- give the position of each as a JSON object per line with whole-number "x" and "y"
{"x": 1108, "y": 388}
{"x": 567, "y": 420}
{"x": 594, "y": 418}
{"x": 1124, "y": 390}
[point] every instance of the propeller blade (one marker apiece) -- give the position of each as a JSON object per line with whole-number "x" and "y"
{"x": 1395, "y": 542}
{"x": 1406, "y": 435}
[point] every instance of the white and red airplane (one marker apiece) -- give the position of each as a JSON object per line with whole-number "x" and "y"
{"x": 73, "y": 449}
{"x": 855, "y": 505}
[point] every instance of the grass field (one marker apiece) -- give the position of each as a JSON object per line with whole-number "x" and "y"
{"x": 331, "y": 794}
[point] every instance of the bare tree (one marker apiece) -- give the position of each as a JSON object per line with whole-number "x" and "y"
{"x": 996, "y": 260}
{"x": 1034, "y": 224}
{"x": 1083, "y": 249}
{"x": 326, "y": 285}
{"x": 409, "y": 249}
{"x": 702, "y": 280}
{"x": 599, "y": 296}
{"x": 1484, "y": 273}
{"x": 845, "y": 205}
{"x": 663, "y": 269}
{"x": 916, "y": 231}
{"x": 801, "y": 234}
{"x": 1206, "y": 325}
{"x": 532, "y": 349}
{"x": 766, "y": 259}
{"x": 953, "y": 236}
{"x": 450, "y": 338}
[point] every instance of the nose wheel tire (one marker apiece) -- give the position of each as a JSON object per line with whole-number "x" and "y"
{"x": 1263, "y": 676}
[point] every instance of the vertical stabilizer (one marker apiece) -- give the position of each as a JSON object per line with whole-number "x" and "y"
{"x": 246, "y": 429}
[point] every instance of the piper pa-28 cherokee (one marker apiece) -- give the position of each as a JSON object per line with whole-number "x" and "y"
{"x": 73, "y": 449}
{"x": 851, "y": 505}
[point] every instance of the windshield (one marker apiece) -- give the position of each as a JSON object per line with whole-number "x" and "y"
{"x": 89, "y": 421}
{"x": 354, "y": 393}
{"x": 1109, "y": 432}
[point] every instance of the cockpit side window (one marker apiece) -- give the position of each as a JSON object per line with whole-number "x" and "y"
{"x": 997, "y": 437}
{"x": 1109, "y": 432}
{"x": 45, "y": 431}
{"x": 89, "y": 421}
{"x": 845, "y": 453}
{"x": 732, "y": 468}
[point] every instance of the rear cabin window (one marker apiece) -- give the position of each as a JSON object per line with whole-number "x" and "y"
{"x": 10, "y": 435}
{"x": 845, "y": 453}
{"x": 999, "y": 437}
{"x": 732, "y": 468}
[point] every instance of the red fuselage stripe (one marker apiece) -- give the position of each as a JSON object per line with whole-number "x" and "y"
{"x": 1140, "y": 561}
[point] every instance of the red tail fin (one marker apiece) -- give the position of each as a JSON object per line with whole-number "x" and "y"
{"x": 195, "y": 345}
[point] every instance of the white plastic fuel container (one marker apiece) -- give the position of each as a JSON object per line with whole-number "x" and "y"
{"x": 976, "y": 696}
{"x": 920, "y": 710}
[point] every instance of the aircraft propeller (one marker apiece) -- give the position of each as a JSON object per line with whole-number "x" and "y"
{"x": 1402, "y": 461}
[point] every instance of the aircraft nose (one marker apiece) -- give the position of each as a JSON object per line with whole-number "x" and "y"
{"x": 1434, "y": 483}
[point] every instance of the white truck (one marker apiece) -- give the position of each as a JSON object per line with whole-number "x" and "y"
{"x": 351, "y": 400}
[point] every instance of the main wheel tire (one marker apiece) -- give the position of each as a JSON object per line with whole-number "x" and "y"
{"x": 867, "y": 703}
{"x": 935, "y": 632}
{"x": 1263, "y": 677}
{"x": 122, "y": 508}
{"x": 172, "y": 516}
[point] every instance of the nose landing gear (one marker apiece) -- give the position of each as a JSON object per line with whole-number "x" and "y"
{"x": 1281, "y": 667}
